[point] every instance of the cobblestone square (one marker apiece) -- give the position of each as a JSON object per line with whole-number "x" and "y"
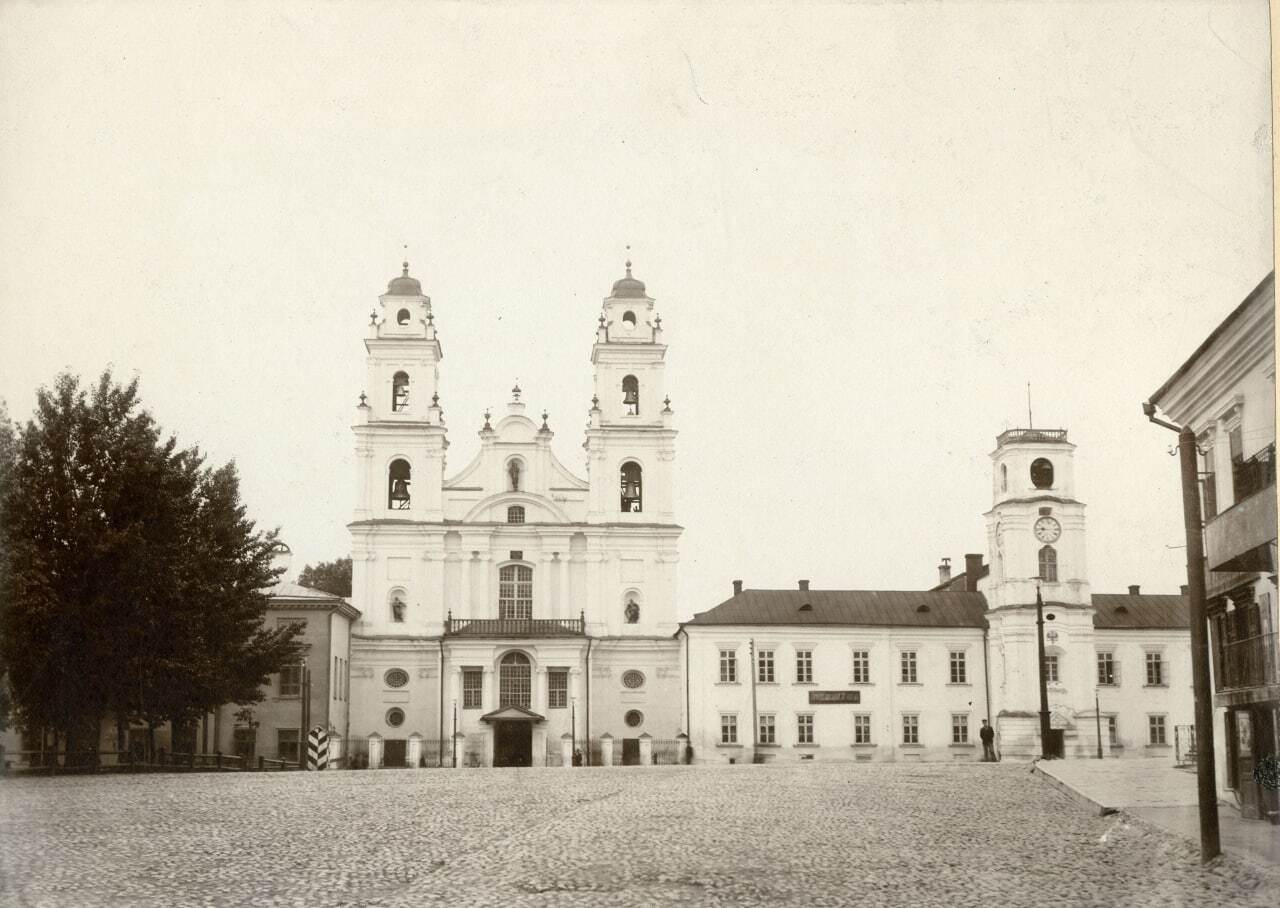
{"x": 880, "y": 834}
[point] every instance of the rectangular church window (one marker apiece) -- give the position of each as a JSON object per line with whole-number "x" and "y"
{"x": 557, "y": 689}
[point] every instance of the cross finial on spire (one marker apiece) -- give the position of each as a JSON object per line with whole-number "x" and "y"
{"x": 486, "y": 419}
{"x": 405, "y": 264}
{"x": 515, "y": 393}
{"x": 373, "y": 316}
{"x": 544, "y": 420}
{"x": 364, "y": 399}
{"x": 628, "y": 260}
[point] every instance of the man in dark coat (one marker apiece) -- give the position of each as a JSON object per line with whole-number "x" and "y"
{"x": 988, "y": 736}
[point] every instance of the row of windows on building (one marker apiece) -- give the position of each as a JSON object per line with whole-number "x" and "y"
{"x": 767, "y": 729}
{"x": 515, "y": 684}
{"x": 909, "y": 667}
{"x": 1109, "y": 670}
{"x": 630, "y": 477}
{"x": 515, "y": 596}
{"x": 766, "y": 667}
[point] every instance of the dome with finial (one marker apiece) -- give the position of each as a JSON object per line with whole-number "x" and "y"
{"x": 404, "y": 285}
{"x": 628, "y": 287}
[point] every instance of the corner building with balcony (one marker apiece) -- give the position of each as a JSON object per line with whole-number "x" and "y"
{"x": 1226, "y": 392}
{"x": 514, "y": 611}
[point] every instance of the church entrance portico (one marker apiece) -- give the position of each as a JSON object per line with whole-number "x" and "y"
{"x": 514, "y": 730}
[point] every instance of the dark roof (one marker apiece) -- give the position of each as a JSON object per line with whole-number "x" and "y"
{"x": 1121, "y": 611}
{"x": 628, "y": 287}
{"x": 1213, "y": 336}
{"x": 404, "y": 285}
{"x": 941, "y": 608}
{"x": 287, "y": 596}
{"x": 881, "y": 608}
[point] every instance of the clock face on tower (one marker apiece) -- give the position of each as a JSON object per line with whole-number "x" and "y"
{"x": 1047, "y": 530}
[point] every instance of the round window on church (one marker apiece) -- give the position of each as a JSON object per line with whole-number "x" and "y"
{"x": 633, "y": 718}
{"x": 1042, "y": 473}
{"x": 632, "y": 679}
{"x": 396, "y": 677}
{"x": 395, "y": 717}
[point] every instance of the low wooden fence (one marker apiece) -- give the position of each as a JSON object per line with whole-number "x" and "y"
{"x": 64, "y": 762}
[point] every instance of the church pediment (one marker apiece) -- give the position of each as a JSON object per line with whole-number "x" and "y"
{"x": 518, "y": 430}
{"x": 512, "y": 713}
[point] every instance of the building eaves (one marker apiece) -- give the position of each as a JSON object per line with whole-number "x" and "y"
{"x": 1212, "y": 338}
{"x": 847, "y": 608}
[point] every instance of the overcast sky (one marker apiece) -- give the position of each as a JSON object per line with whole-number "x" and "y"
{"x": 867, "y": 227}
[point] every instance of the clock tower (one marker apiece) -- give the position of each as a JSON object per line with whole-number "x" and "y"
{"x": 1036, "y": 539}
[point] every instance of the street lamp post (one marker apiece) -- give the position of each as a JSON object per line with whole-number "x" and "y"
{"x": 1207, "y": 796}
{"x": 453, "y": 738}
{"x": 1044, "y": 679}
{"x": 1097, "y": 720}
{"x": 573, "y": 730}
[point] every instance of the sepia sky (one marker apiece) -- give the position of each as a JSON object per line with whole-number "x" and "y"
{"x": 867, "y": 226}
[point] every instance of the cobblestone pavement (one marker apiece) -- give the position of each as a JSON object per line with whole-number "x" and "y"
{"x": 816, "y": 834}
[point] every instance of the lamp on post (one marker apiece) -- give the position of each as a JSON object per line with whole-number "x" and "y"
{"x": 453, "y": 739}
{"x": 573, "y": 729}
{"x": 1207, "y": 795}
{"x": 1097, "y": 719}
{"x": 1044, "y": 679}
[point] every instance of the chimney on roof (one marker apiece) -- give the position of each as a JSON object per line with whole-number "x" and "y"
{"x": 1133, "y": 589}
{"x": 737, "y": 587}
{"x": 804, "y": 585}
{"x": 972, "y": 568}
{"x": 944, "y": 571}
{"x": 1185, "y": 590}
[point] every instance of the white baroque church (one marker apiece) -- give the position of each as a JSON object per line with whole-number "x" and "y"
{"x": 513, "y": 611}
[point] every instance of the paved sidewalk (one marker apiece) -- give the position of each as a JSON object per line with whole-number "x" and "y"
{"x": 1157, "y": 792}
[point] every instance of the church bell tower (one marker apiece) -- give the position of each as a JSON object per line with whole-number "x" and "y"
{"x": 630, "y": 441}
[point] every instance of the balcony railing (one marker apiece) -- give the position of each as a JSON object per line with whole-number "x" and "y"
{"x": 1250, "y": 662}
{"x": 513, "y": 627}
{"x": 1016, "y": 435}
{"x": 1251, "y": 476}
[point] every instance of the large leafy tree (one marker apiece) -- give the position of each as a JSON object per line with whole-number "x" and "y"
{"x": 7, "y": 443}
{"x": 135, "y": 580}
{"x": 328, "y": 576}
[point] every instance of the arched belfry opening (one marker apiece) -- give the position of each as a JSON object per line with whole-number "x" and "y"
{"x": 632, "y": 497}
{"x": 398, "y": 479}
{"x": 631, "y": 395}
{"x": 400, "y": 392}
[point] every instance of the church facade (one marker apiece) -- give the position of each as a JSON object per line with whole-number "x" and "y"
{"x": 513, "y": 611}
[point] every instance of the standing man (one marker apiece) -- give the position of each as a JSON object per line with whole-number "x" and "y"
{"x": 988, "y": 736}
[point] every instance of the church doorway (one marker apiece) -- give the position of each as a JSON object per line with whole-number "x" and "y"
{"x": 395, "y": 754}
{"x": 630, "y": 751}
{"x": 512, "y": 743}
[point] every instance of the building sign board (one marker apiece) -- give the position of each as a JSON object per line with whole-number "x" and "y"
{"x": 834, "y": 696}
